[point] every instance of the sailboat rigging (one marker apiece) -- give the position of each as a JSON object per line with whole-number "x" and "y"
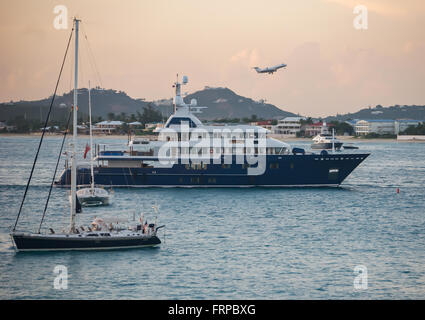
{"x": 92, "y": 196}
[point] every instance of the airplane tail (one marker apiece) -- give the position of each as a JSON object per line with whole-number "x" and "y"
{"x": 257, "y": 69}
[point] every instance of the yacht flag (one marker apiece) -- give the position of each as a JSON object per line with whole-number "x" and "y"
{"x": 87, "y": 150}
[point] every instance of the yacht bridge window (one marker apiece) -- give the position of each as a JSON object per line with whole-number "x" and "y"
{"x": 178, "y": 121}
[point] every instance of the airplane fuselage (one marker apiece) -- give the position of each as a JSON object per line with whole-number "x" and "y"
{"x": 269, "y": 70}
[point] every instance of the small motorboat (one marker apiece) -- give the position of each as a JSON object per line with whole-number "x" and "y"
{"x": 350, "y": 146}
{"x": 326, "y": 140}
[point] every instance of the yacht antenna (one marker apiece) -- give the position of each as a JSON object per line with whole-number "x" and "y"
{"x": 177, "y": 86}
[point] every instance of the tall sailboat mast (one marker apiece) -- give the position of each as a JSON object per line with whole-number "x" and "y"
{"x": 74, "y": 136}
{"x": 91, "y": 144}
{"x": 91, "y": 196}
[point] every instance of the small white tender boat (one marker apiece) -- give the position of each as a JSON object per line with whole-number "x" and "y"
{"x": 89, "y": 197}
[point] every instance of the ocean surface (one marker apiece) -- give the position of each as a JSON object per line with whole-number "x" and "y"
{"x": 248, "y": 243}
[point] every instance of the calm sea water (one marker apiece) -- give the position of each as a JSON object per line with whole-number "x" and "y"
{"x": 251, "y": 243}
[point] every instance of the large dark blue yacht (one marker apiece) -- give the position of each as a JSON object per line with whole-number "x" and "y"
{"x": 188, "y": 153}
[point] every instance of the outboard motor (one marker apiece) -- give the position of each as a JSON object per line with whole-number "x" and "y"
{"x": 298, "y": 151}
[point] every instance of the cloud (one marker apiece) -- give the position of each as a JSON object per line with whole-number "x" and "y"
{"x": 246, "y": 57}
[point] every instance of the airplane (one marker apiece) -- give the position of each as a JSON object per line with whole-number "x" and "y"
{"x": 269, "y": 70}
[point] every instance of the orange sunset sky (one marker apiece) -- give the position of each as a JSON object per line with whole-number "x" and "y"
{"x": 140, "y": 45}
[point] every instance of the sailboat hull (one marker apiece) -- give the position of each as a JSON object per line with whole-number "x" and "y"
{"x": 94, "y": 201}
{"x": 36, "y": 242}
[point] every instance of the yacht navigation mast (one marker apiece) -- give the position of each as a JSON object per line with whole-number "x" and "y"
{"x": 178, "y": 101}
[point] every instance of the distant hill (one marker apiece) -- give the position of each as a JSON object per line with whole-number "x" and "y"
{"x": 103, "y": 102}
{"x": 224, "y": 103}
{"x": 221, "y": 103}
{"x": 379, "y": 112}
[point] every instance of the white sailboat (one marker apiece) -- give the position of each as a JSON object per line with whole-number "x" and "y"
{"x": 92, "y": 196}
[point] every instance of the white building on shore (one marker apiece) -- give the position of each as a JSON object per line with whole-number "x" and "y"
{"x": 107, "y": 127}
{"x": 401, "y": 125}
{"x": 288, "y": 126}
{"x": 364, "y": 127}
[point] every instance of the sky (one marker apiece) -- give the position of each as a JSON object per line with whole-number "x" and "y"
{"x": 138, "y": 46}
